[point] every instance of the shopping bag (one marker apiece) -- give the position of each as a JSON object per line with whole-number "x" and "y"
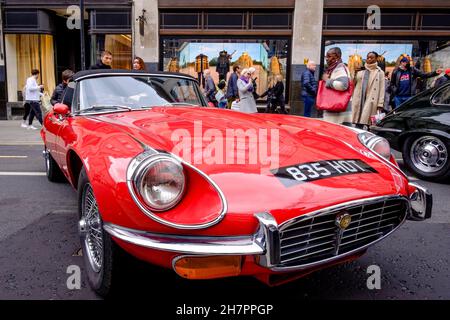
{"x": 46, "y": 104}
{"x": 235, "y": 106}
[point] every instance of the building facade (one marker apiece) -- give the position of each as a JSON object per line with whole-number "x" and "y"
{"x": 274, "y": 37}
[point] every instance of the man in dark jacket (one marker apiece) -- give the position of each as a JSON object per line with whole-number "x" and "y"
{"x": 309, "y": 87}
{"x": 105, "y": 61}
{"x": 232, "y": 88}
{"x": 404, "y": 81}
{"x": 59, "y": 90}
{"x": 443, "y": 79}
{"x": 210, "y": 87}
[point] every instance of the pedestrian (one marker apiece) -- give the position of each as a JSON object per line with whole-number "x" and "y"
{"x": 210, "y": 87}
{"x": 270, "y": 94}
{"x": 404, "y": 81}
{"x": 309, "y": 87}
{"x": 32, "y": 97}
{"x": 441, "y": 80}
{"x": 368, "y": 96}
{"x": 104, "y": 62}
{"x": 336, "y": 77}
{"x": 220, "y": 95}
{"x": 232, "y": 89}
{"x": 138, "y": 64}
{"x": 252, "y": 74}
{"x": 387, "y": 95}
{"x": 27, "y": 107}
{"x": 278, "y": 94}
{"x": 247, "y": 102}
{"x": 59, "y": 90}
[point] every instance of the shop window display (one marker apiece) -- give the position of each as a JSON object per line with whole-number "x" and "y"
{"x": 268, "y": 57}
{"x": 26, "y": 52}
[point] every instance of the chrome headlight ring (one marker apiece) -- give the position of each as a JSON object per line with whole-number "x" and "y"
{"x": 152, "y": 190}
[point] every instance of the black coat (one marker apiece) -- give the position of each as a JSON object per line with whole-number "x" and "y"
{"x": 99, "y": 65}
{"x": 58, "y": 93}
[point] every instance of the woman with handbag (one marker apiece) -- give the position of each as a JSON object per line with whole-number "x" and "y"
{"x": 335, "y": 89}
{"x": 368, "y": 97}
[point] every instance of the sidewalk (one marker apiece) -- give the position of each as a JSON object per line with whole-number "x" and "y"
{"x": 11, "y": 133}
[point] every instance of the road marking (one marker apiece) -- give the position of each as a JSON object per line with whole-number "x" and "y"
{"x": 16, "y": 173}
{"x": 13, "y": 157}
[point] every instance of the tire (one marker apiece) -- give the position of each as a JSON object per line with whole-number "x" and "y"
{"x": 102, "y": 263}
{"x": 427, "y": 156}
{"x": 52, "y": 170}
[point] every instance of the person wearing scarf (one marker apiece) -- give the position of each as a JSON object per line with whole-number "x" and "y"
{"x": 336, "y": 77}
{"x": 368, "y": 96}
{"x": 247, "y": 102}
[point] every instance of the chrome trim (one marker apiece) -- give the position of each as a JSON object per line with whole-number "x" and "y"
{"x": 140, "y": 171}
{"x": 134, "y": 164}
{"x": 202, "y": 245}
{"x": 424, "y": 200}
{"x": 268, "y": 236}
{"x": 383, "y": 129}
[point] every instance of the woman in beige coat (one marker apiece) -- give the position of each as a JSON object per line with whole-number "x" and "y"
{"x": 368, "y": 96}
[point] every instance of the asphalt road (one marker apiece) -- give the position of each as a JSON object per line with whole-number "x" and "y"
{"x": 39, "y": 241}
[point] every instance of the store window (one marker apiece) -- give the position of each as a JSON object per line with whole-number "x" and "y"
{"x": 120, "y": 45}
{"x": 26, "y": 52}
{"x": 426, "y": 55}
{"x": 192, "y": 56}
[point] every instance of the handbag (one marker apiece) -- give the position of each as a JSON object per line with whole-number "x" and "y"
{"x": 333, "y": 100}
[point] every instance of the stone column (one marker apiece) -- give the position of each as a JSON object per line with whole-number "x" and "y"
{"x": 306, "y": 44}
{"x": 146, "y": 46}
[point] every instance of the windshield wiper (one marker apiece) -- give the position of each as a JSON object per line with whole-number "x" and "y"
{"x": 102, "y": 107}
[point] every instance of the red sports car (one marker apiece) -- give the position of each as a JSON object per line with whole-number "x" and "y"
{"x": 216, "y": 193}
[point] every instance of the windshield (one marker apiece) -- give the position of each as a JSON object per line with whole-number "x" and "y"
{"x": 135, "y": 92}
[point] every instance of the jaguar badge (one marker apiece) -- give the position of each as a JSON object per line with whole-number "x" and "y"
{"x": 343, "y": 220}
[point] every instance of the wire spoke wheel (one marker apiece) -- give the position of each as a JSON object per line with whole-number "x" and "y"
{"x": 92, "y": 230}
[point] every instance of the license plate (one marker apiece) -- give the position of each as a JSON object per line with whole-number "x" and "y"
{"x": 312, "y": 171}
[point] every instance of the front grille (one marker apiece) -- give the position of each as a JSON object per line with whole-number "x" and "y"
{"x": 309, "y": 239}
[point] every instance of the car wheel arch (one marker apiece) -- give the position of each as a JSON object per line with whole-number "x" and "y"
{"x": 416, "y": 133}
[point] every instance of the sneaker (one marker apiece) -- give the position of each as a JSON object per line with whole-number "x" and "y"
{"x": 24, "y": 124}
{"x": 32, "y": 127}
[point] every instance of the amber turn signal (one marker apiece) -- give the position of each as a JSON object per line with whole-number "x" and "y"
{"x": 208, "y": 267}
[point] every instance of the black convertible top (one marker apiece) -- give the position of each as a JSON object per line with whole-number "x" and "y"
{"x": 99, "y": 72}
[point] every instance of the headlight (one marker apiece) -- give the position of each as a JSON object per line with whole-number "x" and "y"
{"x": 375, "y": 143}
{"x": 159, "y": 182}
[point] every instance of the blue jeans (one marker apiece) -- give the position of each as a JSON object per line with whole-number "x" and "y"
{"x": 398, "y": 100}
{"x": 309, "y": 102}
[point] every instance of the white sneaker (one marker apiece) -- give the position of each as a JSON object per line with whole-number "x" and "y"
{"x": 24, "y": 124}
{"x": 31, "y": 127}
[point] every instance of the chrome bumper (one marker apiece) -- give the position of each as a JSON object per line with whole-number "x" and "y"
{"x": 264, "y": 244}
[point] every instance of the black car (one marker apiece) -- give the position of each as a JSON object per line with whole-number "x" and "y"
{"x": 420, "y": 129}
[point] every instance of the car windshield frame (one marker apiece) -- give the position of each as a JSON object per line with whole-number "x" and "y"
{"x": 153, "y": 96}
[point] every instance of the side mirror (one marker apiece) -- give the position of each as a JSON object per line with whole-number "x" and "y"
{"x": 61, "y": 109}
